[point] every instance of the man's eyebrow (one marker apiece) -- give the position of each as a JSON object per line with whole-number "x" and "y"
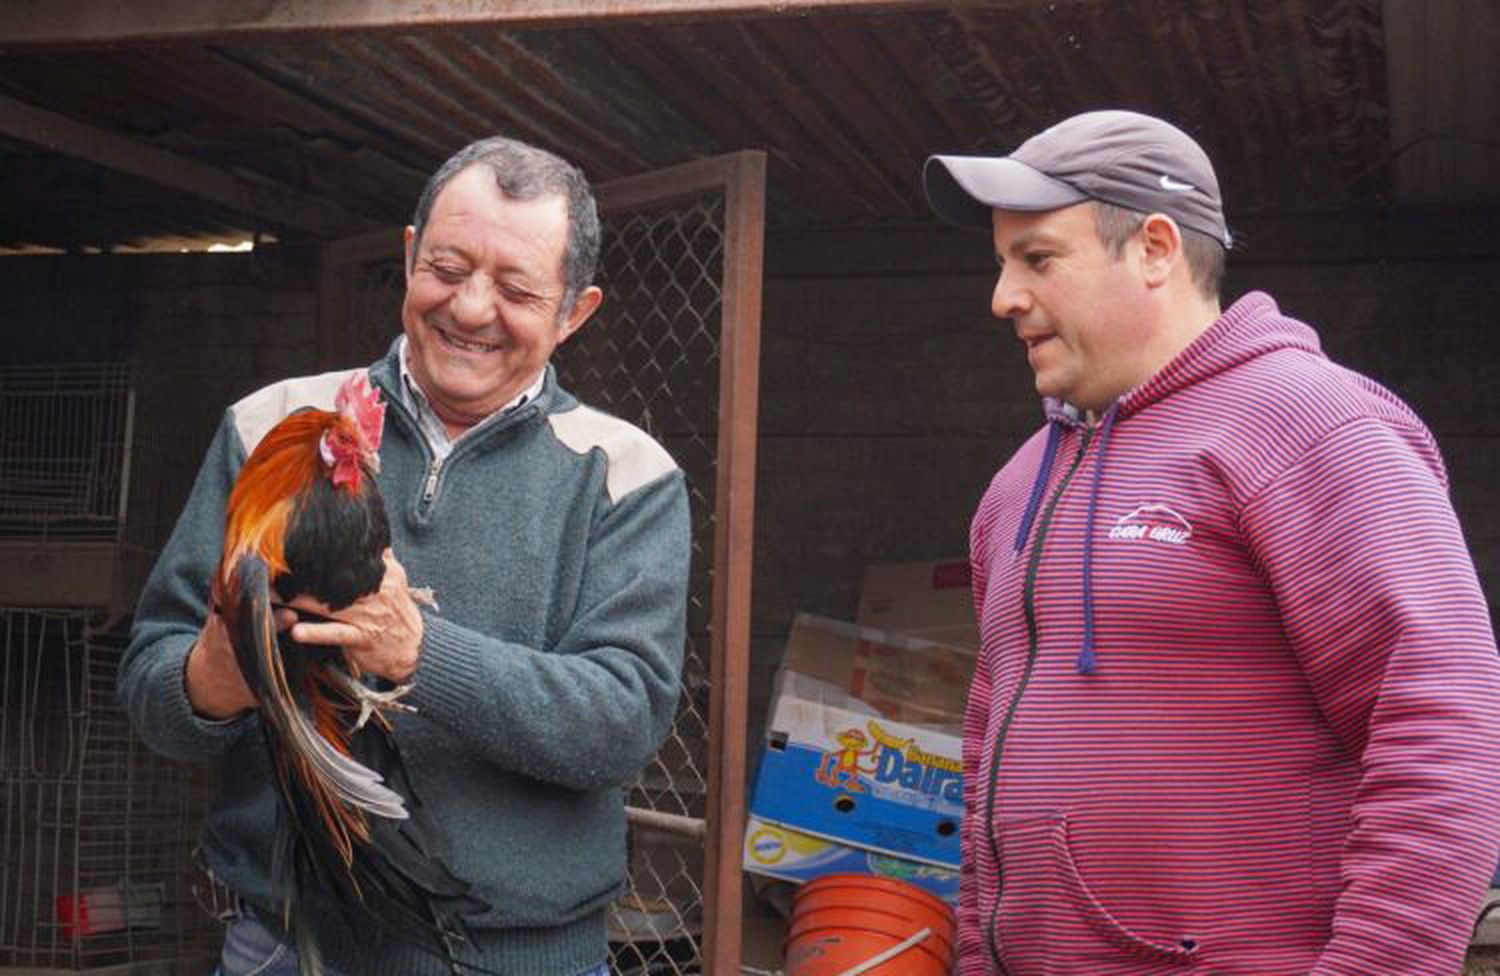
{"x": 1029, "y": 238}
{"x": 1022, "y": 241}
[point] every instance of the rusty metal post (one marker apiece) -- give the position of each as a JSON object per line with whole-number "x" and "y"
{"x": 739, "y": 399}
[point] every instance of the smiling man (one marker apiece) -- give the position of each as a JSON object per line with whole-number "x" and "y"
{"x": 1224, "y": 721}
{"x": 555, "y": 538}
{"x": 487, "y": 294}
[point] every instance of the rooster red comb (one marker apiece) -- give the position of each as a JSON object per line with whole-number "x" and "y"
{"x": 360, "y": 402}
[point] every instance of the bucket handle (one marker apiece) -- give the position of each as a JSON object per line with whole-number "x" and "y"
{"x": 888, "y": 954}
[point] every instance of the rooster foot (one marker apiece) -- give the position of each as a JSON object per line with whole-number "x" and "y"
{"x": 372, "y": 701}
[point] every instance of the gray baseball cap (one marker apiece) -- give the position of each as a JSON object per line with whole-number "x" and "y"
{"x": 1124, "y": 158}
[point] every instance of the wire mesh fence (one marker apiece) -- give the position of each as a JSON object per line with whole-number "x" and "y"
{"x": 96, "y": 833}
{"x": 653, "y": 360}
{"x": 65, "y": 432}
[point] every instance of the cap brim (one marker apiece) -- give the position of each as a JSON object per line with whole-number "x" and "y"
{"x": 963, "y": 190}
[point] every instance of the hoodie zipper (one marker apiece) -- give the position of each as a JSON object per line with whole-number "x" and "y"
{"x": 1033, "y": 636}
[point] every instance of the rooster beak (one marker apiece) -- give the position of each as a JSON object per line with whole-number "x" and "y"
{"x": 374, "y": 462}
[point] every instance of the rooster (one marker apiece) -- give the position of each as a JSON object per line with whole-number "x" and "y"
{"x": 305, "y": 518}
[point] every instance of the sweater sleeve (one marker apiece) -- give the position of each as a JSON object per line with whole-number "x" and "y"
{"x": 591, "y": 711}
{"x": 170, "y": 613}
{"x": 973, "y": 959}
{"x": 1379, "y": 599}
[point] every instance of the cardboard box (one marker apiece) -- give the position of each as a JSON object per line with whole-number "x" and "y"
{"x": 780, "y": 852}
{"x": 928, "y": 600}
{"x": 903, "y": 679}
{"x": 862, "y": 781}
{"x": 846, "y": 780}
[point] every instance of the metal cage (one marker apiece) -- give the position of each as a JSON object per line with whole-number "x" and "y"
{"x": 96, "y": 833}
{"x": 65, "y": 435}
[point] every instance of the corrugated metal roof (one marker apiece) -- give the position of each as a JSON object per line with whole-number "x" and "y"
{"x": 1290, "y": 98}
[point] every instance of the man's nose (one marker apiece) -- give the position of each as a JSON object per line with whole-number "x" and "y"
{"x": 1009, "y": 299}
{"x": 474, "y": 304}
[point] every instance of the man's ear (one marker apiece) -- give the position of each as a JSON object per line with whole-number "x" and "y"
{"x": 585, "y": 306}
{"x": 408, "y": 238}
{"x": 1161, "y": 248}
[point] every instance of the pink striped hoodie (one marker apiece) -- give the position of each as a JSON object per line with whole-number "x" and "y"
{"x": 1238, "y": 705}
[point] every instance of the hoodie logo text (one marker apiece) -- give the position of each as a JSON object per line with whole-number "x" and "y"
{"x": 1153, "y": 523}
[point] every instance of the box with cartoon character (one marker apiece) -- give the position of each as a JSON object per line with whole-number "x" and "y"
{"x": 781, "y": 852}
{"x": 861, "y": 769}
{"x": 861, "y": 780}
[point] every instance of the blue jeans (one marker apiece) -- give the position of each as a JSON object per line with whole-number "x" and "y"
{"x": 251, "y": 949}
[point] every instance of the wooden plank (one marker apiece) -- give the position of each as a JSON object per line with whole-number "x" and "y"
{"x": 88, "y": 22}
{"x": 258, "y": 198}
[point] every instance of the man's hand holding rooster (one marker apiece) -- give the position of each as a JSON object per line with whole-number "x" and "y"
{"x": 380, "y": 633}
{"x": 215, "y": 686}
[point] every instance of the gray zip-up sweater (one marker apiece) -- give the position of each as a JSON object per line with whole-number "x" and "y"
{"x": 556, "y": 540}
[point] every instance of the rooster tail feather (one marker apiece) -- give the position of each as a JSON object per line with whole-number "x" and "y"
{"x": 324, "y": 769}
{"x": 248, "y": 614}
{"x": 309, "y": 956}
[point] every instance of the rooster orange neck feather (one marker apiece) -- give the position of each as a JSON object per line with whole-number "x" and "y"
{"x": 284, "y": 463}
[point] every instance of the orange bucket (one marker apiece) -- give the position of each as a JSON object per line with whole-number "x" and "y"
{"x": 843, "y": 921}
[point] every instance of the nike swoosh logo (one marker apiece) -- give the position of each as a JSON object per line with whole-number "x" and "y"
{"x": 1167, "y": 183}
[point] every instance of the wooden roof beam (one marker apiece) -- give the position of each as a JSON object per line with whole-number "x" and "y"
{"x": 87, "y": 22}
{"x": 252, "y": 197}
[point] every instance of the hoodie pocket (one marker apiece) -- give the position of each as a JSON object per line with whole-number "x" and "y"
{"x": 1047, "y": 919}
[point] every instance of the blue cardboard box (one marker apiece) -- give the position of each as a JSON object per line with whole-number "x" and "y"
{"x": 860, "y": 780}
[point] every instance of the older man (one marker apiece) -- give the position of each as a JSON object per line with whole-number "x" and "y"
{"x": 1236, "y": 708}
{"x": 556, "y": 540}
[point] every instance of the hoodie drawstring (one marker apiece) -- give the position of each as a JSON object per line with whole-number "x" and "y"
{"x": 1087, "y": 660}
{"x": 1039, "y": 486}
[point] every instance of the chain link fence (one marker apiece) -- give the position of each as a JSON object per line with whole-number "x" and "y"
{"x": 653, "y": 360}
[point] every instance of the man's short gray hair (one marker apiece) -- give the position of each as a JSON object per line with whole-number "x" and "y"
{"x": 524, "y": 172}
{"x": 1205, "y": 256}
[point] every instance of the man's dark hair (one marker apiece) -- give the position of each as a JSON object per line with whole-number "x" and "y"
{"x": 524, "y": 172}
{"x": 1205, "y": 256}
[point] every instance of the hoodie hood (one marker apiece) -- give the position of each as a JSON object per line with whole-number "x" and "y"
{"x": 1251, "y": 327}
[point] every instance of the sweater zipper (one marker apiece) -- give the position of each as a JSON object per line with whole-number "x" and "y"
{"x": 430, "y": 488}
{"x": 1028, "y": 602}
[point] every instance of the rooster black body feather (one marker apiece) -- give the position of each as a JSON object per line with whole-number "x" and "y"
{"x": 334, "y": 545}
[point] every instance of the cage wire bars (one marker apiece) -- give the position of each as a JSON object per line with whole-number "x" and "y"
{"x": 674, "y": 350}
{"x": 96, "y": 832}
{"x": 65, "y": 435}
